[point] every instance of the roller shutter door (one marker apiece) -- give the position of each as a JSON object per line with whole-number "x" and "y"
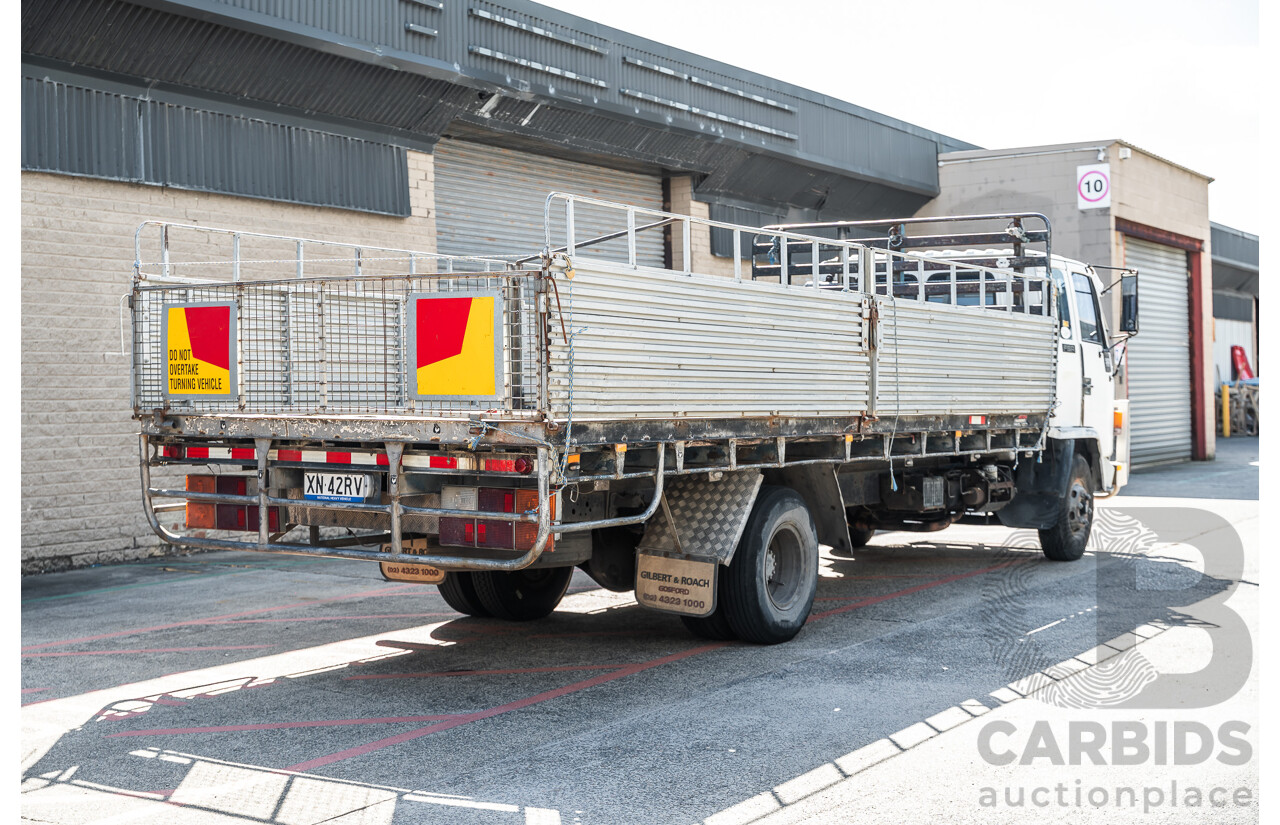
{"x": 489, "y": 201}
{"x": 1160, "y": 355}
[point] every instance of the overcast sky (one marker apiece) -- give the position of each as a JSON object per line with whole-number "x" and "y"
{"x": 1179, "y": 78}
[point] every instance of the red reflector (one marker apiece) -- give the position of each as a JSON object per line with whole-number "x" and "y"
{"x": 289, "y": 455}
{"x": 244, "y": 452}
{"x": 231, "y": 485}
{"x": 197, "y": 452}
{"x": 231, "y": 517}
{"x": 443, "y": 461}
{"x": 500, "y": 465}
{"x": 452, "y": 530}
{"x": 339, "y": 458}
{"x": 977, "y": 419}
{"x": 468, "y": 531}
{"x": 173, "y": 452}
{"x": 496, "y": 534}
{"x": 523, "y": 465}
{"x": 245, "y": 519}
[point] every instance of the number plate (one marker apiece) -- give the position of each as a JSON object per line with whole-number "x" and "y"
{"x": 335, "y": 487}
{"x": 676, "y": 585}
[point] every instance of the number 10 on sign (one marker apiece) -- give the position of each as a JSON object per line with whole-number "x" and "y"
{"x": 1093, "y": 186}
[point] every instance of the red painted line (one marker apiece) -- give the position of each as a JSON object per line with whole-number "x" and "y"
{"x": 508, "y": 672}
{"x": 142, "y": 650}
{"x": 324, "y": 723}
{"x": 25, "y": 691}
{"x": 215, "y": 619}
{"x": 915, "y": 589}
{"x": 288, "y": 455}
{"x": 627, "y": 670}
{"x": 339, "y": 458}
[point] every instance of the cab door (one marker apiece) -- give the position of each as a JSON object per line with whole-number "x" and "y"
{"x": 1097, "y": 388}
{"x": 1069, "y": 409}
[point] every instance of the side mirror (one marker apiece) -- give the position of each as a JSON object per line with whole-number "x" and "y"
{"x": 1129, "y": 304}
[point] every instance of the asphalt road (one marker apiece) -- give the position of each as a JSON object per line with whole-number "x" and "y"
{"x": 239, "y": 688}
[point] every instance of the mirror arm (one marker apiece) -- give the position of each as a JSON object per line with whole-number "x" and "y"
{"x": 1123, "y": 270}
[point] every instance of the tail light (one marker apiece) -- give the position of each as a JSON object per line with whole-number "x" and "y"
{"x": 491, "y": 533}
{"x": 207, "y": 515}
{"x": 202, "y": 514}
{"x": 519, "y": 464}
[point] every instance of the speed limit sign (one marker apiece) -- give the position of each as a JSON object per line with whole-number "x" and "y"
{"x": 1093, "y": 186}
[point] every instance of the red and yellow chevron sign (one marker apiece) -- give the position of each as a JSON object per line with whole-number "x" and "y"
{"x": 455, "y": 354}
{"x": 198, "y": 346}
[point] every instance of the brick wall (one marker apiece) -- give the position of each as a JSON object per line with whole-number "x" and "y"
{"x": 81, "y": 502}
{"x": 701, "y": 259}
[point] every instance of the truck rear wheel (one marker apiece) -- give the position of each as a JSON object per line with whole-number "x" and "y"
{"x": 459, "y": 592}
{"x": 1067, "y": 538}
{"x": 715, "y": 626}
{"x": 522, "y": 595}
{"x": 769, "y": 587}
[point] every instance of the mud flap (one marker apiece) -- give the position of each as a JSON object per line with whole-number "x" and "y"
{"x": 674, "y": 585}
{"x": 1040, "y": 487}
{"x": 696, "y": 529}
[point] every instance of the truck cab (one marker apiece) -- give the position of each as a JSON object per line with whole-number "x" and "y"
{"x": 1089, "y": 407}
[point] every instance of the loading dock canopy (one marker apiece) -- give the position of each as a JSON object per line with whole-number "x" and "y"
{"x": 1235, "y": 259}
{"x": 522, "y": 75}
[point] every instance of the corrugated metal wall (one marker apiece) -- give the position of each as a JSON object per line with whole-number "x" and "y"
{"x": 490, "y": 201}
{"x": 661, "y": 345}
{"x": 82, "y": 131}
{"x": 1159, "y": 356}
{"x": 1228, "y": 333}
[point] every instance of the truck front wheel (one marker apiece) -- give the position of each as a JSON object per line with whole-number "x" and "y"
{"x": 522, "y": 595}
{"x": 770, "y": 584}
{"x": 1067, "y": 538}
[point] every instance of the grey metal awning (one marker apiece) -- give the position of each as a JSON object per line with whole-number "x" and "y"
{"x": 517, "y": 74}
{"x": 1235, "y": 259}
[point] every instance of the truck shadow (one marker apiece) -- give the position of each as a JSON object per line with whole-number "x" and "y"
{"x": 476, "y": 720}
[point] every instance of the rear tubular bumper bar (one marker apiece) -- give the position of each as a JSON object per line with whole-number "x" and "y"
{"x": 266, "y": 543}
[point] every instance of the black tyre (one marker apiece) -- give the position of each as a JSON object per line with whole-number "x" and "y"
{"x": 769, "y": 586}
{"x": 1067, "y": 538}
{"x": 523, "y": 595}
{"x": 459, "y": 591}
{"x": 715, "y": 626}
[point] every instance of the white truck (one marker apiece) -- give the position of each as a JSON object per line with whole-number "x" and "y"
{"x": 488, "y": 425}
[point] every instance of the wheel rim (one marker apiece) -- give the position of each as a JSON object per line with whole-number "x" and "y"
{"x": 784, "y": 567}
{"x": 1079, "y": 508}
{"x": 530, "y": 582}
